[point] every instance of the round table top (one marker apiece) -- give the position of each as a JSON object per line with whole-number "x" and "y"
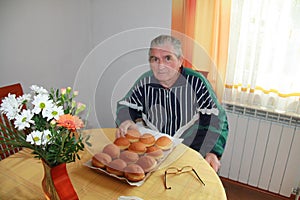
{"x": 21, "y": 176}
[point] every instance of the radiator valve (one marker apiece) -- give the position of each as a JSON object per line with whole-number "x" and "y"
{"x": 296, "y": 191}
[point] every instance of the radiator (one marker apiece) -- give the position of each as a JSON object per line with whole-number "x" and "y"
{"x": 263, "y": 150}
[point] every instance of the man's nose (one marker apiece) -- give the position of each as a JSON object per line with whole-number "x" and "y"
{"x": 161, "y": 65}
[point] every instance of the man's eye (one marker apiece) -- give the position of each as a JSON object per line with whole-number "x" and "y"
{"x": 153, "y": 59}
{"x": 168, "y": 58}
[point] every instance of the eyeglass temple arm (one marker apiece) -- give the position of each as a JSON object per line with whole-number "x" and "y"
{"x": 166, "y": 181}
{"x": 198, "y": 177}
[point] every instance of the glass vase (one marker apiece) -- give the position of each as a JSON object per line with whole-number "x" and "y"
{"x": 48, "y": 185}
{"x": 56, "y": 183}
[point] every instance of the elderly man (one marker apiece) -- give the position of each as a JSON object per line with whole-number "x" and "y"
{"x": 177, "y": 101}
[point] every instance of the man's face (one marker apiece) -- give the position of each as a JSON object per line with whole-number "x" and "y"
{"x": 165, "y": 64}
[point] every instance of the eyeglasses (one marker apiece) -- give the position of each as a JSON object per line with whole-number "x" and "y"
{"x": 175, "y": 170}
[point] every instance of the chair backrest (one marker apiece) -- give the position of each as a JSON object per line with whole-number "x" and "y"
{"x": 4, "y": 91}
{"x": 204, "y": 73}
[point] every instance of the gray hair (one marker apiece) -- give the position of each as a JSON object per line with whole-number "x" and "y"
{"x": 163, "y": 39}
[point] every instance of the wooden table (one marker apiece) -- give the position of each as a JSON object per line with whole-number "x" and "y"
{"x": 21, "y": 176}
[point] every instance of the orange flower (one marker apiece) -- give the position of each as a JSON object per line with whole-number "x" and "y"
{"x": 78, "y": 122}
{"x": 70, "y": 122}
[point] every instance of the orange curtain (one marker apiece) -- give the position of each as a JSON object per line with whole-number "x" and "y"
{"x": 183, "y": 26}
{"x": 207, "y": 23}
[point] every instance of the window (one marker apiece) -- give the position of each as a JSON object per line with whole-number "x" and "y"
{"x": 264, "y": 49}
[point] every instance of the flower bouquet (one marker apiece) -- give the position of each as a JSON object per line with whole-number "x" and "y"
{"x": 48, "y": 124}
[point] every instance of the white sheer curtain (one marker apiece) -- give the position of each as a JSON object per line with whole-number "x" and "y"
{"x": 264, "y": 55}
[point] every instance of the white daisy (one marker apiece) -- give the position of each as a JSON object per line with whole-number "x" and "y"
{"x": 38, "y": 137}
{"x": 24, "y": 120}
{"x": 46, "y": 136}
{"x": 41, "y": 102}
{"x": 35, "y": 137}
{"x": 53, "y": 112}
{"x": 10, "y": 106}
{"x": 38, "y": 89}
{"x": 24, "y": 98}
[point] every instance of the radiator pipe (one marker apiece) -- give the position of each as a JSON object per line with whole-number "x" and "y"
{"x": 297, "y": 192}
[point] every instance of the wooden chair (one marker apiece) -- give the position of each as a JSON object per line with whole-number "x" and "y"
{"x": 4, "y": 91}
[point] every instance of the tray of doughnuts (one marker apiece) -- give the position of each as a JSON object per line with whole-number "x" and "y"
{"x": 135, "y": 156}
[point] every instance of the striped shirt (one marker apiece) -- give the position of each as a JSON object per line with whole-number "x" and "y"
{"x": 189, "y": 109}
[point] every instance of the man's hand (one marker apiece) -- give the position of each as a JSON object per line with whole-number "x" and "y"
{"x": 124, "y": 126}
{"x": 213, "y": 161}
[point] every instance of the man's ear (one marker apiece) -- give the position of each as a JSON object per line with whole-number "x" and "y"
{"x": 181, "y": 60}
